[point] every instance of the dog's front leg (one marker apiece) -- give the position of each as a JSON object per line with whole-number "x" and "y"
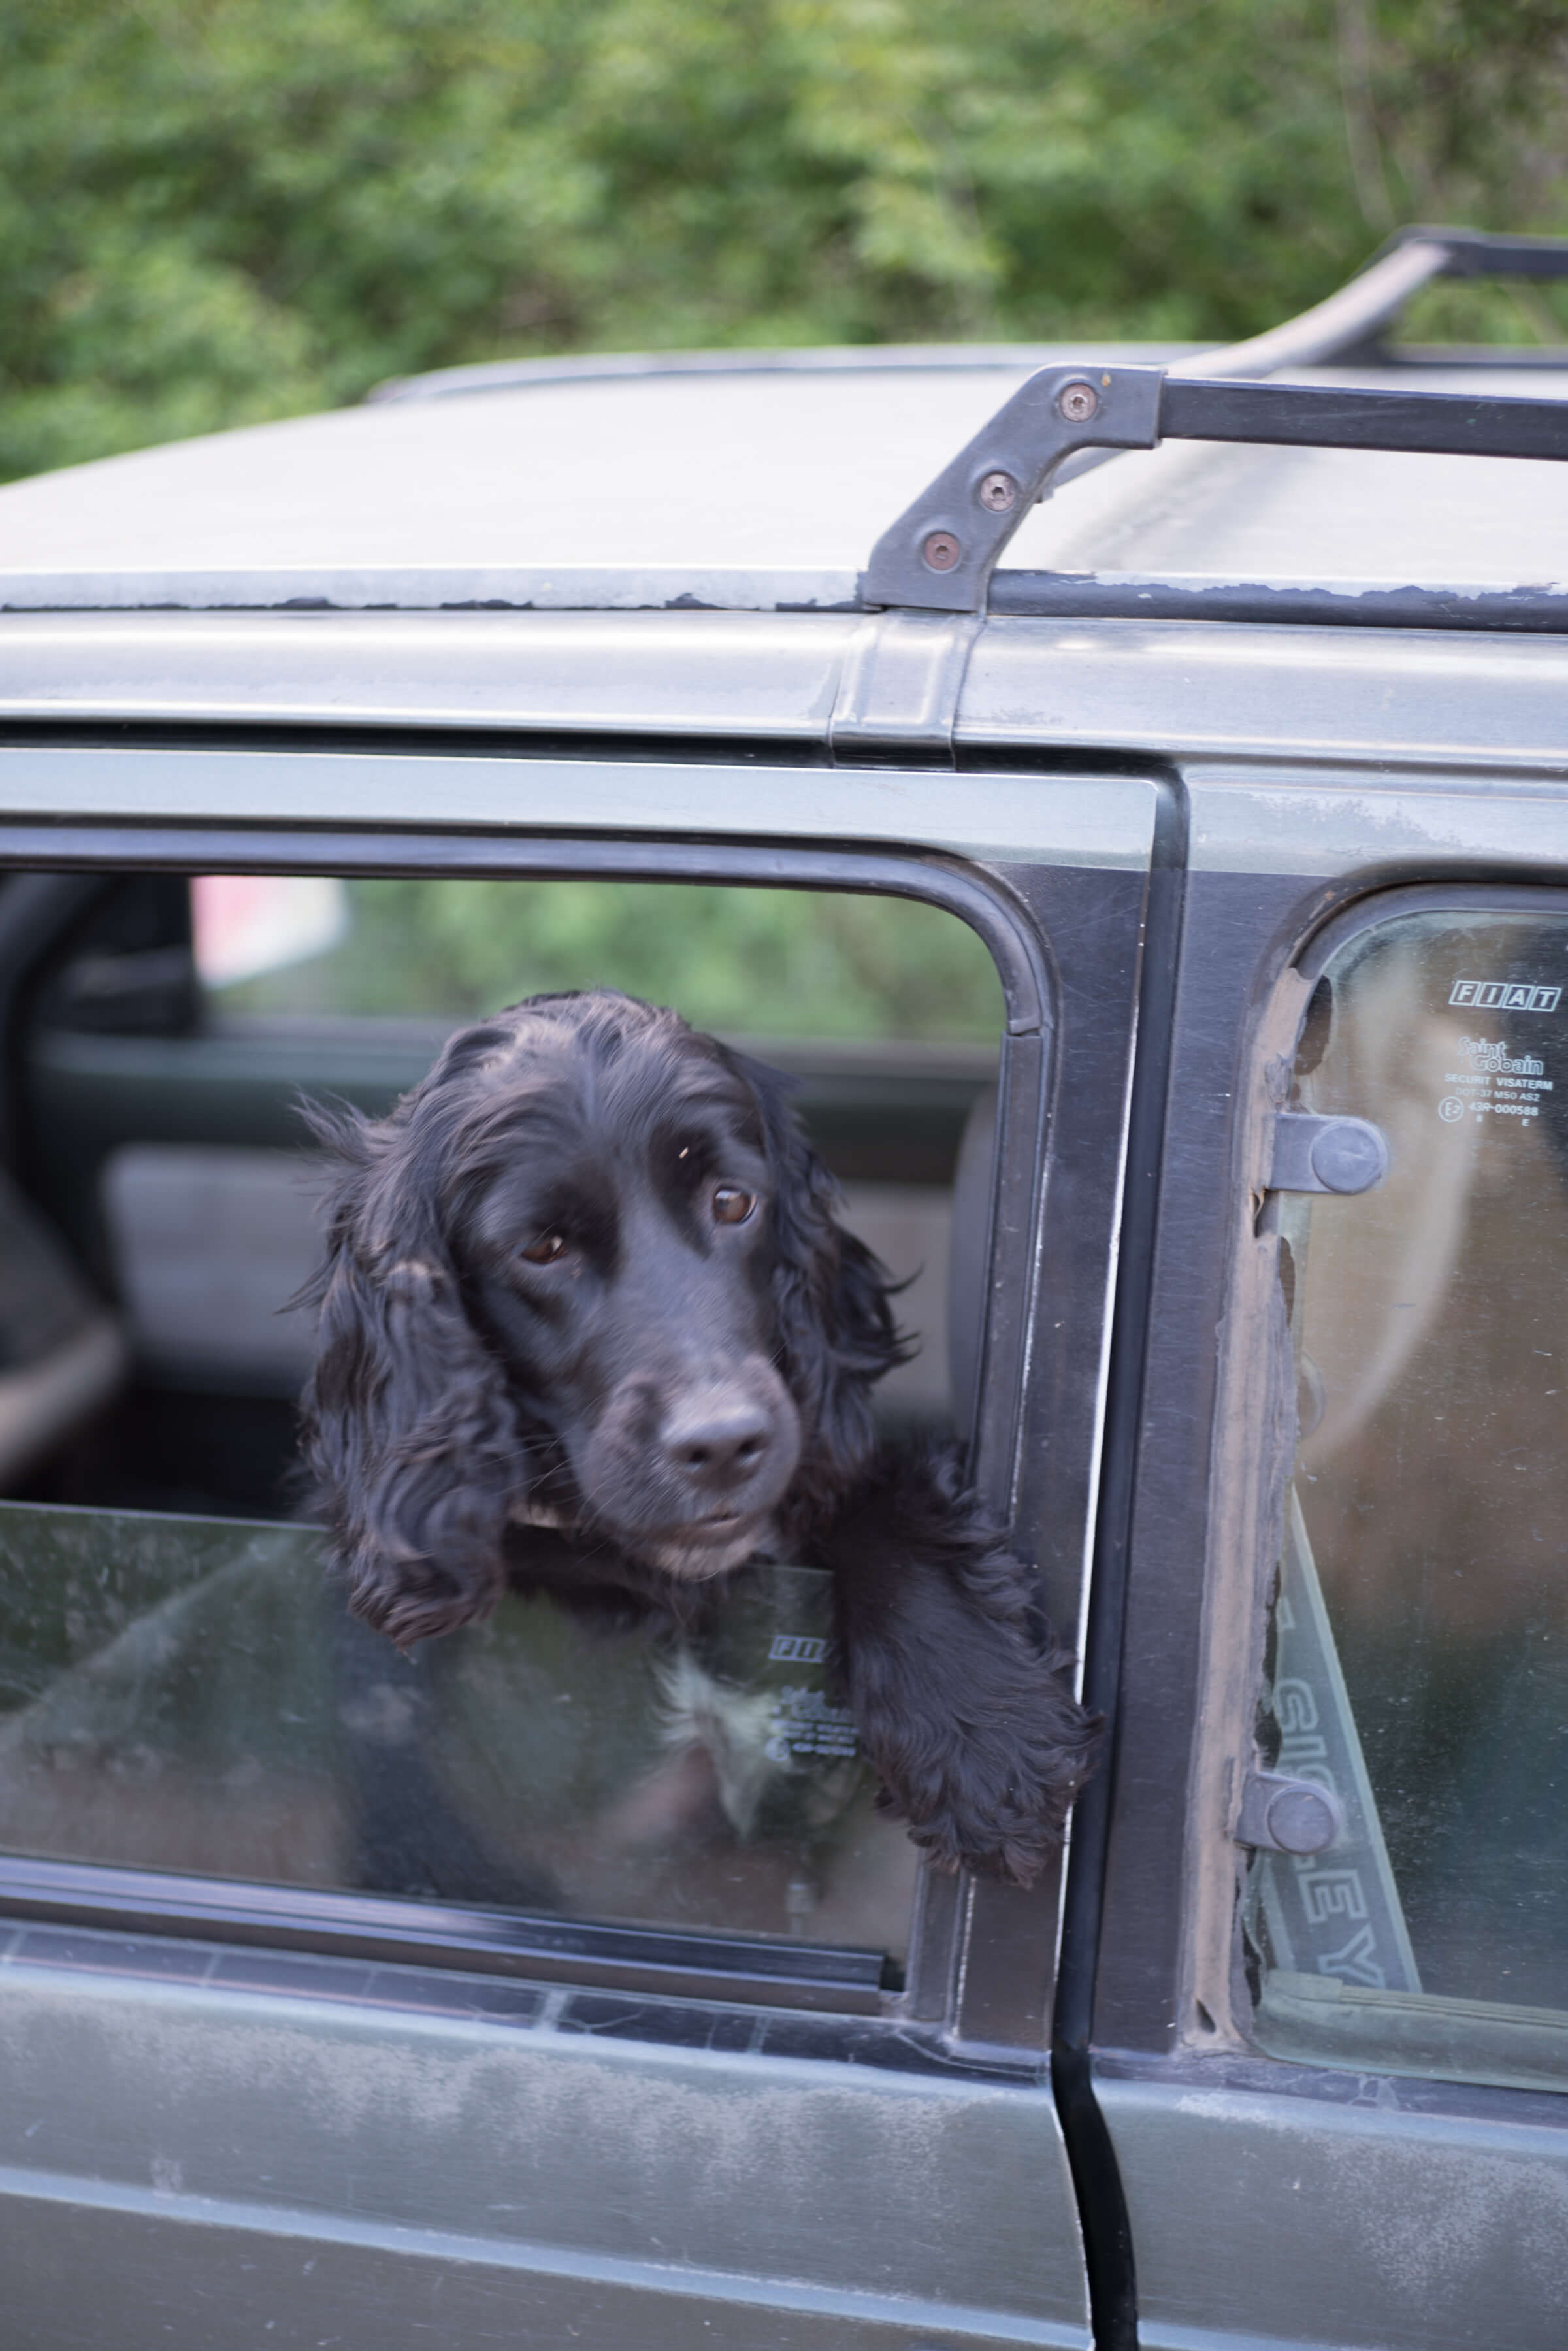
{"x": 956, "y": 1685}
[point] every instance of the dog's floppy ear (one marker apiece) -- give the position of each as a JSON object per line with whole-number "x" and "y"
{"x": 408, "y": 1428}
{"x": 833, "y": 1325}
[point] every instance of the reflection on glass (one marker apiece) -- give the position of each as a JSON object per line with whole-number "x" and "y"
{"x": 1431, "y": 1324}
{"x": 190, "y": 1694}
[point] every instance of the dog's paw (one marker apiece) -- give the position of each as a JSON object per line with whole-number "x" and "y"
{"x": 987, "y": 1785}
{"x": 957, "y": 1685}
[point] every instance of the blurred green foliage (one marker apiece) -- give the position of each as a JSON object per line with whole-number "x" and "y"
{"x": 217, "y": 211}
{"x": 771, "y": 963}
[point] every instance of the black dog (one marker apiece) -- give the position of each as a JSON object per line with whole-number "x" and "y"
{"x": 588, "y": 1324}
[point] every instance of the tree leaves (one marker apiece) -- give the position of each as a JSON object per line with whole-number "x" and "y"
{"x": 215, "y": 211}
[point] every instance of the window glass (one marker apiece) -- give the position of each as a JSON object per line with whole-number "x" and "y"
{"x": 182, "y": 1688}
{"x": 191, "y": 1694}
{"x": 1418, "y": 1654}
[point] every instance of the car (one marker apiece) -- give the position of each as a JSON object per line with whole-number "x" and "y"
{"x": 1167, "y": 930}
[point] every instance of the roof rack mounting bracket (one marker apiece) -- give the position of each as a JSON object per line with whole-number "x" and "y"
{"x": 940, "y": 553}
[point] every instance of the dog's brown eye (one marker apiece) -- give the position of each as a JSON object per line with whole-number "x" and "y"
{"x": 545, "y": 1250}
{"x": 731, "y": 1206}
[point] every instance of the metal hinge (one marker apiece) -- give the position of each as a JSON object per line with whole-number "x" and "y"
{"x": 1285, "y": 1816}
{"x": 1326, "y": 1154}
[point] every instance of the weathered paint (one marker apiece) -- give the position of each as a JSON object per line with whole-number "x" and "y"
{"x": 827, "y": 2203}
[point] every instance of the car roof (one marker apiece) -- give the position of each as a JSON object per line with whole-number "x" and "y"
{"x": 745, "y": 482}
{"x": 732, "y": 487}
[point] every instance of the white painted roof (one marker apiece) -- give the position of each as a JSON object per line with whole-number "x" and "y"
{"x": 737, "y": 490}
{"x": 1321, "y": 517}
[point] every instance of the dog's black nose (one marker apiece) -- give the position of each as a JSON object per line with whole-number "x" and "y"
{"x": 717, "y": 1443}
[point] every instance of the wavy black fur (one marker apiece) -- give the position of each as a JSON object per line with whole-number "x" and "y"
{"x": 672, "y": 1390}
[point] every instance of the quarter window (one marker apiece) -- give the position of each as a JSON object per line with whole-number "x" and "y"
{"x": 1419, "y": 1649}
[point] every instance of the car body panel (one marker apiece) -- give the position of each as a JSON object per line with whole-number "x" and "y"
{"x": 1205, "y": 695}
{"x": 1196, "y": 693}
{"x": 543, "y": 2162}
{"x": 1337, "y": 2213}
{"x": 1012, "y": 817}
{"x": 691, "y": 675}
{"x": 1339, "y": 828}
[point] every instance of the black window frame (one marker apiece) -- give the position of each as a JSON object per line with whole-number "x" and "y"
{"x": 981, "y": 1955}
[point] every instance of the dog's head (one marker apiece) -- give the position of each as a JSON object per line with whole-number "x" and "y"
{"x": 585, "y": 1275}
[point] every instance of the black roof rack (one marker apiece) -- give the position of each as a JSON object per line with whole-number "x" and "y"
{"x": 1466, "y": 253}
{"x": 941, "y": 553}
{"x": 1350, "y": 323}
{"x": 1478, "y": 253}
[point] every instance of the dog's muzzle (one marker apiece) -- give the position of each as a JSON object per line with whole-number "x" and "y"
{"x": 685, "y": 1470}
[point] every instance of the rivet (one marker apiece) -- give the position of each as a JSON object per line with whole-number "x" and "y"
{"x": 942, "y": 551}
{"x": 1076, "y": 402}
{"x": 999, "y": 491}
{"x": 1301, "y": 1820}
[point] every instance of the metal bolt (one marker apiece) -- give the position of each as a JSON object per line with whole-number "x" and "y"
{"x": 1076, "y": 402}
{"x": 998, "y": 491}
{"x": 942, "y": 551}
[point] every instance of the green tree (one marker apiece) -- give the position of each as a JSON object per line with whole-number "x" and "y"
{"x": 782, "y": 963}
{"x": 217, "y": 211}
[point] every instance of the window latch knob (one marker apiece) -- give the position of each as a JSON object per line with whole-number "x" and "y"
{"x": 1286, "y": 1815}
{"x": 1327, "y": 1154}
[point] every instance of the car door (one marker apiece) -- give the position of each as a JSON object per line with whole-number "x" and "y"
{"x": 1330, "y": 2007}
{"x": 248, "y": 2098}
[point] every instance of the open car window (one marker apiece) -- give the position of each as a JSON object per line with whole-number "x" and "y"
{"x": 183, "y": 1689}
{"x": 164, "y": 1133}
{"x": 1418, "y": 1651}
